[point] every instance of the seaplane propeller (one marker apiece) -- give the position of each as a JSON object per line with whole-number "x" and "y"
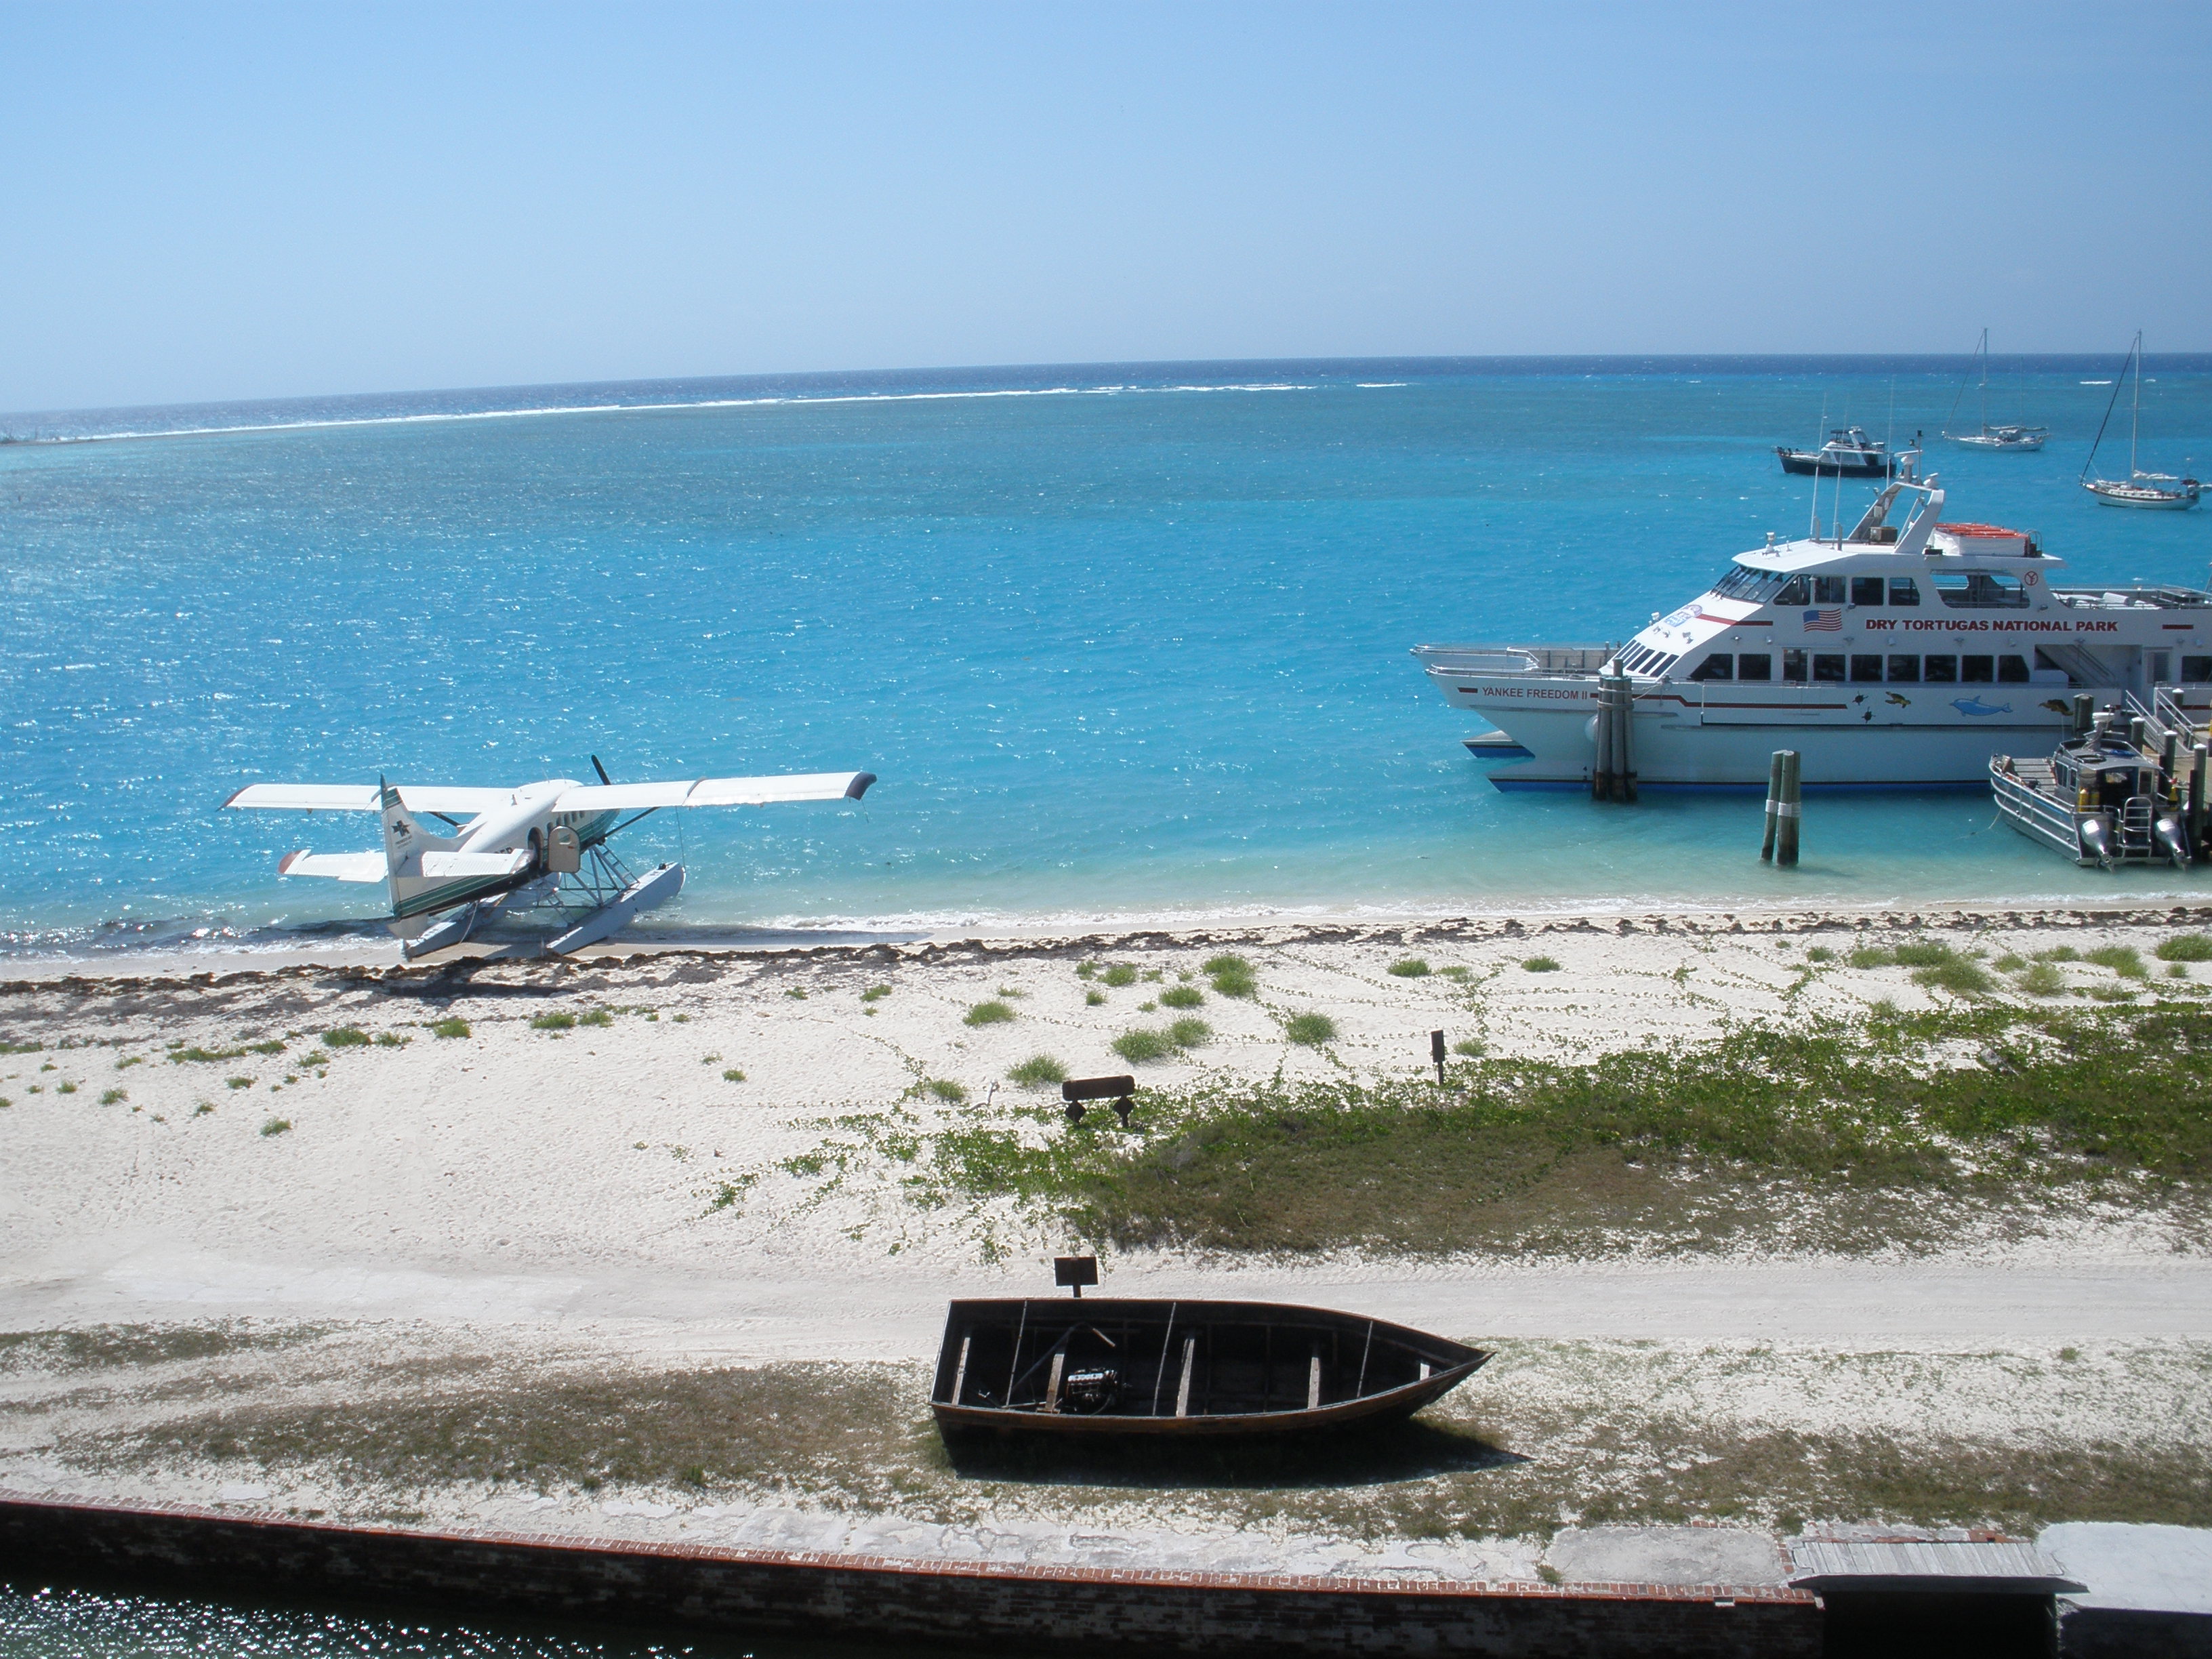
{"x": 542, "y": 845}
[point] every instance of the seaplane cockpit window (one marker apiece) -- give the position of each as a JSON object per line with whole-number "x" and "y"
{"x": 1981, "y": 590}
{"x": 1902, "y": 591}
{"x": 1754, "y": 665}
{"x": 1752, "y": 586}
{"x": 1866, "y": 590}
{"x": 1796, "y": 591}
{"x": 1827, "y": 589}
{"x": 1719, "y": 667}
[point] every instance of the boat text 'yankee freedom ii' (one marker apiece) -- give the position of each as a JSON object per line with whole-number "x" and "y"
{"x": 1898, "y": 655}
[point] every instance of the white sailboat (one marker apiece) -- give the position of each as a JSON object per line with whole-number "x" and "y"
{"x": 2013, "y": 437}
{"x": 2140, "y": 488}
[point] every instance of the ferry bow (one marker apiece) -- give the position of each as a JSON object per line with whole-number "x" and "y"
{"x": 1901, "y": 654}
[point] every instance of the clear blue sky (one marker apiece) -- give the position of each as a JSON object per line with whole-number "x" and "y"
{"x": 207, "y": 201}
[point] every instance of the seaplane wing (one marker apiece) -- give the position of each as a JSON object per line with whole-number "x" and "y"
{"x": 336, "y": 867}
{"x": 714, "y": 791}
{"x": 349, "y": 798}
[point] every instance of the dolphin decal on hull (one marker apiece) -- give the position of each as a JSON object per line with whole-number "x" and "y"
{"x": 1975, "y": 706}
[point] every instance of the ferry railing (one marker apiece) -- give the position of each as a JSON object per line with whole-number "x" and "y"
{"x": 1516, "y": 660}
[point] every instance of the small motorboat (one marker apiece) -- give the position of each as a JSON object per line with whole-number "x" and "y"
{"x": 1848, "y": 454}
{"x": 1141, "y": 1366}
{"x": 2106, "y": 797}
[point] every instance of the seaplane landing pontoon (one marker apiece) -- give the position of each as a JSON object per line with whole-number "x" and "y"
{"x": 540, "y": 847}
{"x": 1899, "y": 655}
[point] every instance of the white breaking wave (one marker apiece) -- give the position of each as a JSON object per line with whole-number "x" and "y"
{"x": 434, "y": 415}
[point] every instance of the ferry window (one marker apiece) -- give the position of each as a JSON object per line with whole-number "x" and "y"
{"x": 1793, "y": 667}
{"x": 1658, "y": 670}
{"x": 1719, "y": 667}
{"x": 1827, "y": 589}
{"x": 1866, "y": 590}
{"x": 1827, "y": 666}
{"x": 1978, "y": 670}
{"x": 2197, "y": 670}
{"x": 1797, "y": 590}
{"x": 1904, "y": 668}
{"x": 1903, "y": 591}
{"x": 1754, "y": 665}
{"x": 1742, "y": 582}
{"x": 1945, "y": 669}
{"x": 2162, "y": 667}
{"x": 1981, "y": 590}
{"x": 2012, "y": 670}
{"x": 1864, "y": 669}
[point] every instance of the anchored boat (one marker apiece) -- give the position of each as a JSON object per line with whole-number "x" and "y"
{"x": 1127, "y": 1366}
{"x": 2014, "y": 438}
{"x": 2160, "y": 491}
{"x": 1901, "y": 653}
{"x": 1848, "y": 454}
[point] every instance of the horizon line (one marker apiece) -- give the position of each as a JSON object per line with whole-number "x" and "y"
{"x": 2183, "y": 361}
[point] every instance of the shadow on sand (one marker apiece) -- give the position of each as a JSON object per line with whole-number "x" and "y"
{"x": 1364, "y": 1457}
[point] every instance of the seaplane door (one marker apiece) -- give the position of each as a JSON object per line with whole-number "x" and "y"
{"x": 564, "y": 856}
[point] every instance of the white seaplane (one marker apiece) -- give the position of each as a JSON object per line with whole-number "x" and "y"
{"x": 542, "y": 847}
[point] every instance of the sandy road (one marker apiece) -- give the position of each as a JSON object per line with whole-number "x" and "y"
{"x": 1941, "y": 1302}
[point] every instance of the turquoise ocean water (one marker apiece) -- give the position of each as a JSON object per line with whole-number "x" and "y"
{"x": 1122, "y": 641}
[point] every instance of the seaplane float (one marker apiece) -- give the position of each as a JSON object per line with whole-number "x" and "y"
{"x": 541, "y": 847}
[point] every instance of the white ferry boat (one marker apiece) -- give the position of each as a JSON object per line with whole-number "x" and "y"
{"x": 1900, "y": 655}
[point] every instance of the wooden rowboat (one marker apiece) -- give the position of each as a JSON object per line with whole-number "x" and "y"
{"x": 1126, "y": 1365}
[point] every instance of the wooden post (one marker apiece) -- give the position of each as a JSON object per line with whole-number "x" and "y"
{"x": 1628, "y": 694}
{"x": 1789, "y": 812}
{"x": 1602, "y": 743}
{"x": 1773, "y": 805}
{"x": 2200, "y": 757}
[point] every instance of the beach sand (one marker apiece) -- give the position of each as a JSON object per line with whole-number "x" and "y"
{"x": 530, "y": 1206}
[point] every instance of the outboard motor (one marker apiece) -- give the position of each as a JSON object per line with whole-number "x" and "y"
{"x": 2173, "y": 835}
{"x": 1088, "y": 1392}
{"x": 2097, "y": 840}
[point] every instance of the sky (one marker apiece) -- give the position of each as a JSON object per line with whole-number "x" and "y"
{"x": 210, "y": 202}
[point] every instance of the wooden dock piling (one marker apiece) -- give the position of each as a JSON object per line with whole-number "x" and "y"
{"x": 1773, "y": 807}
{"x": 2200, "y": 757}
{"x": 1612, "y": 773}
{"x": 1789, "y": 811}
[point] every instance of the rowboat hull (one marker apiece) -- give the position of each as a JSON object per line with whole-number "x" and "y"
{"x": 1111, "y": 1366}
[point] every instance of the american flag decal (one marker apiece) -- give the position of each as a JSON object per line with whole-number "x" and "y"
{"x": 1824, "y": 621}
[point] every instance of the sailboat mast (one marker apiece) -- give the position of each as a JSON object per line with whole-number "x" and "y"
{"x": 1986, "y": 380}
{"x": 2134, "y": 409}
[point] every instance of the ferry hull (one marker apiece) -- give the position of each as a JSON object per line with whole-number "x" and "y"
{"x": 1850, "y": 736}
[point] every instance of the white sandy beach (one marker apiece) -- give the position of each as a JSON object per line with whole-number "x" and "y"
{"x": 526, "y": 1197}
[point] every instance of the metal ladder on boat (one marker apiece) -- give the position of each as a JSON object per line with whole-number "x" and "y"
{"x": 2136, "y": 816}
